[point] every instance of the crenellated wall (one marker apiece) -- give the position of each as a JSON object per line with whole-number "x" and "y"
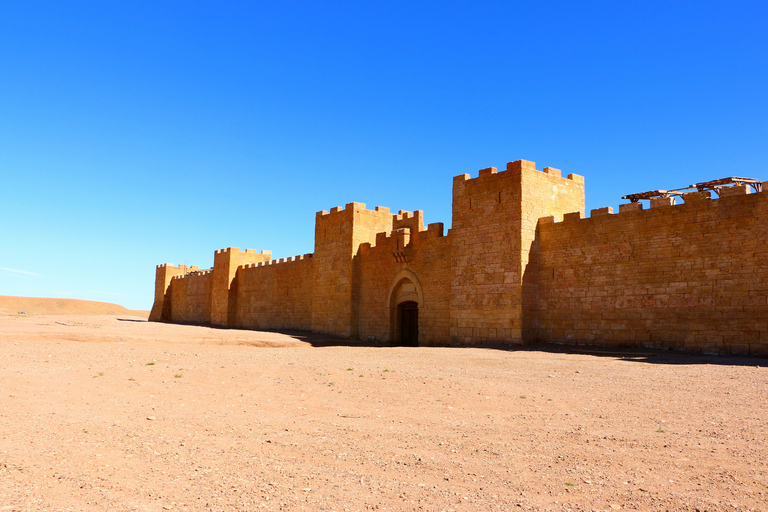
{"x": 191, "y": 297}
{"x": 418, "y": 258}
{"x": 690, "y": 276}
{"x": 224, "y": 287}
{"x": 276, "y": 294}
{"x": 519, "y": 264}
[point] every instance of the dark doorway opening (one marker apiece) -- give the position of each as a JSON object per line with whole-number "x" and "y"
{"x": 409, "y": 323}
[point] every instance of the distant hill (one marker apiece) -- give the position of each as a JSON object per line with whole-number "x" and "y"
{"x": 52, "y": 306}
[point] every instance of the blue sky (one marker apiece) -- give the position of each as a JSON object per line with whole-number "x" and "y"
{"x": 137, "y": 133}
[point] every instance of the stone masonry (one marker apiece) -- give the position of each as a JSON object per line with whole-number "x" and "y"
{"x": 520, "y": 264}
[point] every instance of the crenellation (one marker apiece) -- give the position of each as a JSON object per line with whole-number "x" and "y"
{"x": 461, "y": 177}
{"x": 597, "y": 212}
{"x": 630, "y": 207}
{"x": 515, "y": 267}
{"x": 660, "y": 202}
{"x": 435, "y": 229}
{"x": 695, "y": 197}
{"x": 735, "y": 190}
{"x": 570, "y": 216}
{"x": 521, "y": 165}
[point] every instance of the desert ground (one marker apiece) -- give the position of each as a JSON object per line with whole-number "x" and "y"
{"x": 110, "y": 412}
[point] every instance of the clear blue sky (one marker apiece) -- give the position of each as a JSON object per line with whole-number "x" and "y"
{"x": 137, "y": 133}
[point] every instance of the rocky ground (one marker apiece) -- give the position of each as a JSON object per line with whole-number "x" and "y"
{"x": 114, "y": 413}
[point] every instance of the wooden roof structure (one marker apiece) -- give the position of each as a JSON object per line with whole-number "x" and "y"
{"x": 714, "y": 185}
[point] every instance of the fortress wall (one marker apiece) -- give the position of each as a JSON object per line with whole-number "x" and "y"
{"x": 690, "y": 276}
{"x": 191, "y": 298}
{"x": 276, "y": 294}
{"x": 424, "y": 253}
{"x": 338, "y": 235}
{"x": 161, "y": 308}
{"x": 224, "y": 287}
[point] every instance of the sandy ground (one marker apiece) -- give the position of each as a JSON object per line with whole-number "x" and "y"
{"x": 114, "y": 413}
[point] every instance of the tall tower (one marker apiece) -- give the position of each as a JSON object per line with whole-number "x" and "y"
{"x": 224, "y": 286}
{"x": 338, "y": 236}
{"x": 494, "y": 285}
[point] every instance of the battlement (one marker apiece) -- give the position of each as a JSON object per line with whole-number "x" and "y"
{"x": 247, "y": 251}
{"x": 435, "y": 229}
{"x": 350, "y": 207}
{"x": 523, "y": 261}
{"x": 405, "y": 235}
{"x": 195, "y": 273}
{"x": 519, "y": 165}
{"x": 406, "y": 219}
{"x": 290, "y": 259}
{"x": 690, "y": 200}
{"x": 403, "y": 214}
{"x": 191, "y": 268}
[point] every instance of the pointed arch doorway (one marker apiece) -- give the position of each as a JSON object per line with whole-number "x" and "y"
{"x": 405, "y": 297}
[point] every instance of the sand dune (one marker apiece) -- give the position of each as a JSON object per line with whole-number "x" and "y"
{"x": 53, "y": 306}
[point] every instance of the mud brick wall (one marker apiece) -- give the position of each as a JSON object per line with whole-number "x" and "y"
{"x": 191, "y": 298}
{"x": 494, "y": 221}
{"x": 338, "y": 235}
{"x": 423, "y": 256}
{"x": 690, "y": 276}
{"x": 275, "y": 295}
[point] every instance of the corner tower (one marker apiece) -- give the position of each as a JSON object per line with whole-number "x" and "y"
{"x": 161, "y": 308}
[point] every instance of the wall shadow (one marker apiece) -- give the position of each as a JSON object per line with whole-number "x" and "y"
{"x": 317, "y": 339}
{"x": 637, "y": 354}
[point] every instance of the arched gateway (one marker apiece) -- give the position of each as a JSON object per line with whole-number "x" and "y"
{"x": 405, "y": 297}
